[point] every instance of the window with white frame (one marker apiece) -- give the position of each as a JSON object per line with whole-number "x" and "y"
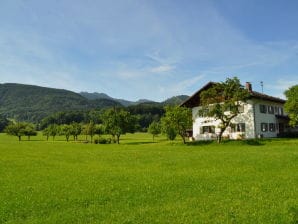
{"x": 272, "y": 127}
{"x": 264, "y": 127}
{"x": 207, "y": 129}
{"x": 270, "y": 109}
{"x": 263, "y": 109}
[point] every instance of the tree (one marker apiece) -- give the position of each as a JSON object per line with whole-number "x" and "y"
{"x": 223, "y": 101}
{"x": 176, "y": 120}
{"x": 29, "y": 130}
{"x": 16, "y": 129}
{"x": 291, "y": 105}
{"x": 46, "y": 132}
{"x": 53, "y": 130}
{"x": 99, "y": 129}
{"x": 89, "y": 129}
{"x": 76, "y": 129}
{"x": 118, "y": 122}
{"x": 154, "y": 129}
{"x": 65, "y": 129}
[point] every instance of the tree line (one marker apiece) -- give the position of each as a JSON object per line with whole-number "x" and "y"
{"x": 114, "y": 122}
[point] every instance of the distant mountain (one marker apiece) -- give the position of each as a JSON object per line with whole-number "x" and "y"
{"x": 95, "y": 95}
{"x": 175, "y": 100}
{"x": 32, "y": 103}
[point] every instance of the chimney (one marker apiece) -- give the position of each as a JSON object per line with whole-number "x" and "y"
{"x": 248, "y": 86}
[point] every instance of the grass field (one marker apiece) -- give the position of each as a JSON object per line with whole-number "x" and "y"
{"x": 143, "y": 182}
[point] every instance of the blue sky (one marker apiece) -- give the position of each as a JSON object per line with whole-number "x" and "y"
{"x": 150, "y": 49}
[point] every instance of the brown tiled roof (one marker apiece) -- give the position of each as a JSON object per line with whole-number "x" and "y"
{"x": 262, "y": 96}
{"x": 194, "y": 100}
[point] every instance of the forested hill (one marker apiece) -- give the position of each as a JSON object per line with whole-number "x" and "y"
{"x": 175, "y": 100}
{"x": 32, "y": 103}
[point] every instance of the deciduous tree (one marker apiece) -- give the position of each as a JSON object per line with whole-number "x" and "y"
{"x": 154, "y": 129}
{"x": 16, "y": 129}
{"x": 118, "y": 122}
{"x": 291, "y": 105}
{"x": 176, "y": 120}
{"x": 222, "y": 102}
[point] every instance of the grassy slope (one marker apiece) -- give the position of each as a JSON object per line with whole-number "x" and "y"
{"x": 143, "y": 182}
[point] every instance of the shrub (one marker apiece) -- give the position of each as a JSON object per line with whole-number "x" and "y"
{"x": 102, "y": 141}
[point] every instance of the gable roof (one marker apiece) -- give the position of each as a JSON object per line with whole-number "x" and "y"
{"x": 194, "y": 100}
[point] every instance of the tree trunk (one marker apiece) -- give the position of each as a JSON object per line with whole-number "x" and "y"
{"x": 19, "y": 138}
{"x": 118, "y": 139}
{"x": 183, "y": 138}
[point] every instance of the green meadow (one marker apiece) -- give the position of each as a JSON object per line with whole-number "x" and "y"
{"x": 140, "y": 181}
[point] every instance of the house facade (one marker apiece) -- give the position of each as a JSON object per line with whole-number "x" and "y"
{"x": 261, "y": 116}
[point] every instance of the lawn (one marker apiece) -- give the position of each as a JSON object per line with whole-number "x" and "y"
{"x": 143, "y": 182}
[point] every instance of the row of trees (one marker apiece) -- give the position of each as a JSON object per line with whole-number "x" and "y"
{"x": 115, "y": 121}
{"x": 144, "y": 114}
{"x": 20, "y": 129}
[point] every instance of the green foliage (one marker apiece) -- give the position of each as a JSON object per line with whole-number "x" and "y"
{"x": 3, "y": 122}
{"x": 76, "y": 129}
{"x": 101, "y": 140}
{"x": 89, "y": 129}
{"x": 154, "y": 129}
{"x": 66, "y": 130}
{"x": 170, "y": 132}
{"x": 20, "y": 129}
{"x": 30, "y": 130}
{"x": 222, "y": 102}
{"x": 146, "y": 113}
{"x": 117, "y": 122}
{"x": 291, "y": 105}
{"x": 51, "y": 130}
{"x": 176, "y": 121}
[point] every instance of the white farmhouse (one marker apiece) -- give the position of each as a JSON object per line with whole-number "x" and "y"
{"x": 261, "y": 116}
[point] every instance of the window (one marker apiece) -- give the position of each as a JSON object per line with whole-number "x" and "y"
{"x": 264, "y": 127}
{"x": 263, "y": 109}
{"x": 240, "y": 127}
{"x": 276, "y": 110}
{"x": 272, "y": 127}
{"x": 207, "y": 129}
{"x": 270, "y": 109}
{"x": 241, "y": 108}
{"x": 280, "y": 111}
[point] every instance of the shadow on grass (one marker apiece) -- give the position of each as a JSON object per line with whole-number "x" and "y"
{"x": 254, "y": 142}
{"x": 205, "y": 142}
{"x": 138, "y": 143}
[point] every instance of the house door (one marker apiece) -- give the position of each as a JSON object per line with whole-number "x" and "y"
{"x": 281, "y": 127}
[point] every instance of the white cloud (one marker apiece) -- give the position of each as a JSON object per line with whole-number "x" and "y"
{"x": 162, "y": 68}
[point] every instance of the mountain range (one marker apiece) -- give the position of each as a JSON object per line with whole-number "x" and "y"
{"x": 33, "y": 103}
